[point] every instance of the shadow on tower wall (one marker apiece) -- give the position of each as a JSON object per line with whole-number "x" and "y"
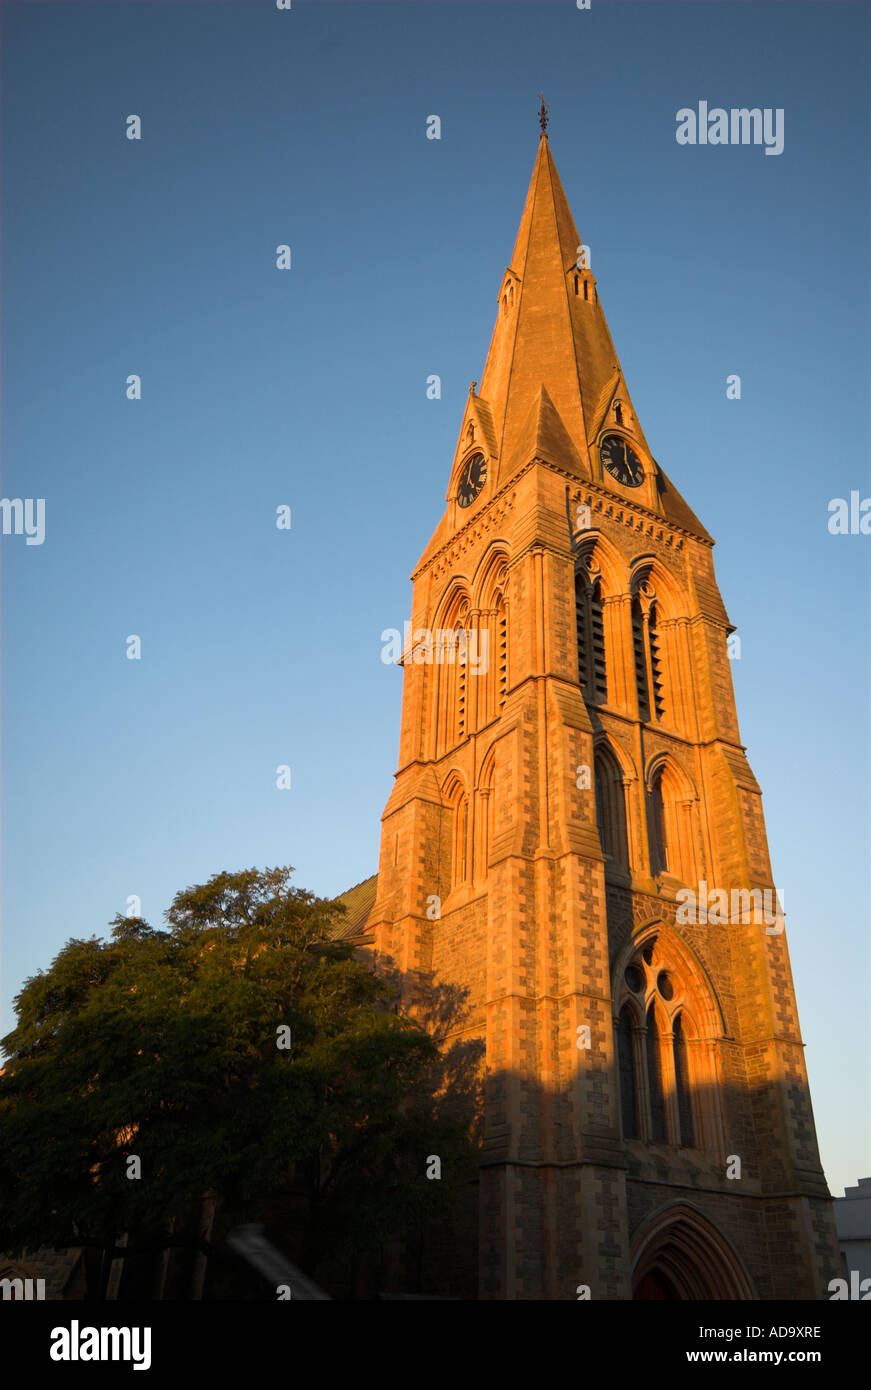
{"x": 550, "y": 1198}
{"x": 564, "y": 1201}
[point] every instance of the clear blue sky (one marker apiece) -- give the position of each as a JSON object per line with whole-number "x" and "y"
{"x": 262, "y": 647}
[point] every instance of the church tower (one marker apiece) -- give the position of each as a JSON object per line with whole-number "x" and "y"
{"x": 575, "y": 840}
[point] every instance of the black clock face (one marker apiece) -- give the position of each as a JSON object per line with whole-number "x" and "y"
{"x": 621, "y": 460}
{"x": 473, "y": 478}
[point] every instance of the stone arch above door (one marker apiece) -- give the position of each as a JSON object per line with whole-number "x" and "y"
{"x": 678, "y": 1253}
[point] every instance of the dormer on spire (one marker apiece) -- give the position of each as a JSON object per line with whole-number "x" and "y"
{"x": 477, "y": 439}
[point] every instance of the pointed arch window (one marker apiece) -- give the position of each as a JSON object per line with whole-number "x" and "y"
{"x": 655, "y": 1087}
{"x": 682, "y": 1085}
{"x": 626, "y": 1064}
{"x": 450, "y": 657}
{"x": 658, "y": 841}
{"x": 669, "y": 1091}
{"x": 462, "y": 869}
{"x": 611, "y": 808}
{"x": 600, "y": 807}
{"x": 489, "y": 660}
{"x": 590, "y": 626}
{"x": 485, "y": 815}
{"x": 647, "y": 645}
{"x": 458, "y": 817}
{"x": 673, "y": 825}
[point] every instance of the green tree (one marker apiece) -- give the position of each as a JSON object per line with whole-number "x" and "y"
{"x": 163, "y": 1047}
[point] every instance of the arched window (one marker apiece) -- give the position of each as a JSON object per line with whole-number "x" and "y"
{"x": 463, "y": 857}
{"x": 626, "y": 1064}
{"x": 611, "y": 808}
{"x": 669, "y": 1091}
{"x": 491, "y": 605}
{"x": 485, "y": 815}
{"x": 655, "y": 1088}
{"x": 682, "y": 1085}
{"x": 458, "y": 841}
{"x": 658, "y": 841}
{"x": 601, "y": 795}
{"x": 450, "y": 656}
{"x": 590, "y": 625}
{"x": 647, "y": 644}
{"x": 673, "y": 824}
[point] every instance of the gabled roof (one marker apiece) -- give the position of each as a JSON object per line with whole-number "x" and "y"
{"x": 676, "y": 509}
{"x": 359, "y": 901}
{"x": 543, "y": 435}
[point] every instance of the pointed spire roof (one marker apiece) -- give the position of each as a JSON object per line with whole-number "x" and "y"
{"x": 552, "y": 371}
{"x": 552, "y": 385}
{"x": 533, "y": 342}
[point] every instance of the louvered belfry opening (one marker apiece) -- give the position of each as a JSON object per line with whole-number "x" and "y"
{"x": 590, "y": 621}
{"x": 460, "y": 659}
{"x": 640, "y": 661}
{"x": 656, "y": 662}
{"x": 501, "y": 651}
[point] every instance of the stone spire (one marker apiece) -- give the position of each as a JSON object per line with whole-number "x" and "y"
{"x": 552, "y": 369}
{"x": 542, "y": 338}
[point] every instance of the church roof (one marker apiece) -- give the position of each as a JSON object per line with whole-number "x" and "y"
{"x": 677, "y": 510}
{"x": 359, "y": 901}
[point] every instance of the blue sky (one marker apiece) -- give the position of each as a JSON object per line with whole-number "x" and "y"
{"x": 307, "y": 388}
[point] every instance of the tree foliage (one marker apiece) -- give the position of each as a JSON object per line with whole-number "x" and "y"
{"x": 162, "y": 1045}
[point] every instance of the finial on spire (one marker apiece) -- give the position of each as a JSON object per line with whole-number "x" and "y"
{"x": 472, "y": 388}
{"x": 542, "y": 114}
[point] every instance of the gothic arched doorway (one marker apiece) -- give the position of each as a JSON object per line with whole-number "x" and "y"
{"x": 654, "y": 1285}
{"x": 679, "y": 1254}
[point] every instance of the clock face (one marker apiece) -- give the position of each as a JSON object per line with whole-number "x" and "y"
{"x": 473, "y": 478}
{"x": 621, "y": 460}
